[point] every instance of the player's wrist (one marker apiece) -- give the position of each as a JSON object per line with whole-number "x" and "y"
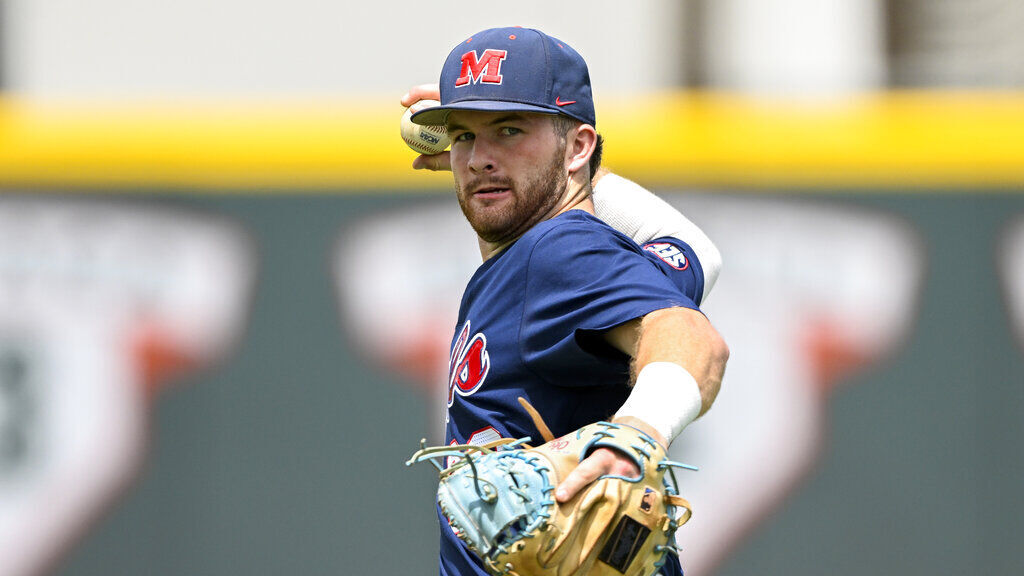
{"x": 634, "y": 422}
{"x": 665, "y": 398}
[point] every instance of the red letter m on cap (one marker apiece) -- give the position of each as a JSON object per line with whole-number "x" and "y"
{"x": 486, "y": 69}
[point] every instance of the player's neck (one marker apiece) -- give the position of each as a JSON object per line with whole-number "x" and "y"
{"x": 577, "y": 196}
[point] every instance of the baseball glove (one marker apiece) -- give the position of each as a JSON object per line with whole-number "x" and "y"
{"x": 499, "y": 500}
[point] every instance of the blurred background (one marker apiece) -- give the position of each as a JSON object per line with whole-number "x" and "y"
{"x": 226, "y": 299}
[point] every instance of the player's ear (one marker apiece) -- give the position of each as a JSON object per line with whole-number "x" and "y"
{"x": 581, "y": 141}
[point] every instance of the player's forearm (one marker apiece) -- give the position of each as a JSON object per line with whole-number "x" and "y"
{"x": 684, "y": 337}
{"x": 679, "y": 362}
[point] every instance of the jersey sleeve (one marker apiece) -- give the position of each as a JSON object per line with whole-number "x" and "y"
{"x": 580, "y": 281}
{"x": 680, "y": 264}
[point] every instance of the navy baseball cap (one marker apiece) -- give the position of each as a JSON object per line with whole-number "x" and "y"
{"x": 513, "y": 70}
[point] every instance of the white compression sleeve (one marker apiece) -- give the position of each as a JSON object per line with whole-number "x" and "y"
{"x": 639, "y": 214}
{"x": 666, "y": 396}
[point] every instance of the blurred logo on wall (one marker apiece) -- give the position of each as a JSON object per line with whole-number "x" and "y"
{"x": 809, "y": 293}
{"x": 101, "y": 302}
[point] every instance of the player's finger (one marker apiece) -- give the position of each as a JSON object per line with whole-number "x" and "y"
{"x": 422, "y": 105}
{"x": 421, "y": 92}
{"x": 433, "y": 162}
{"x": 592, "y": 468}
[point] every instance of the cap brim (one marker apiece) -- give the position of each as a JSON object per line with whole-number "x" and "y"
{"x": 438, "y": 115}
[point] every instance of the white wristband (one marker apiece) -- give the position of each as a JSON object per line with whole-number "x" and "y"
{"x": 666, "y": 396}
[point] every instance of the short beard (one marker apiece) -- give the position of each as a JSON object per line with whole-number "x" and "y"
{"x": 530, "y": 204}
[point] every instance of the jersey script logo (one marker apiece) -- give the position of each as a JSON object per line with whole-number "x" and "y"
{"x": 669, "y": 253}
{"x": 469, "y": 364}
{"x": 486, "y": 69}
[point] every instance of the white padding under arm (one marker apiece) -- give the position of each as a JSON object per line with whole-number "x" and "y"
{"x": 666, "y": 396}
{"x": 639, "y": 214}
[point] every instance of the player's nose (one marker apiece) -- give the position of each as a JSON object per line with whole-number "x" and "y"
{"x": 481, "y": 157}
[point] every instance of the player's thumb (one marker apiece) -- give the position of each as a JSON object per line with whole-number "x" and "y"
{"x": 433, "y": 162}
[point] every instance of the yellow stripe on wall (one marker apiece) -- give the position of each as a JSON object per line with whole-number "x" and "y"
{"x": 916, "y": 140}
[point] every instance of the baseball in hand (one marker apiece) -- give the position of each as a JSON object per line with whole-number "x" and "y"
{"x": 424, "y": 139}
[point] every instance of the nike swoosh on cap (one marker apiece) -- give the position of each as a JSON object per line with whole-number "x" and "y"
{"x": 558, "y": 102}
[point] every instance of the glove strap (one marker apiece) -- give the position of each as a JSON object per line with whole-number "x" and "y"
{"x": 545, "y": 432}
{"x": 683, "y": 503}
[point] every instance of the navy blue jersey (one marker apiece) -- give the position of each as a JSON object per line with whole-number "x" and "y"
{"x": 530, "y": 325}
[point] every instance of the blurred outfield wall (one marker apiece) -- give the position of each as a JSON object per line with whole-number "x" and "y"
{"x": 286, "y": 456}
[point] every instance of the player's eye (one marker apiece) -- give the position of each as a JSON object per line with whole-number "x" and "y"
{"x": 462, "y": 136}
{"x": 510, "y": 131}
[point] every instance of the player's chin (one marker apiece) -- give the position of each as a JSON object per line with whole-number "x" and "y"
{"x": 492, "y": 229}
{"x": 492, "y": 210}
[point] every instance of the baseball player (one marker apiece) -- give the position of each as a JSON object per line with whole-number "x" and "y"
{"x": 565, "y": 311}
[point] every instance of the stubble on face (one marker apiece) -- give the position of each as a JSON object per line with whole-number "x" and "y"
{"x": 532, "y": 199}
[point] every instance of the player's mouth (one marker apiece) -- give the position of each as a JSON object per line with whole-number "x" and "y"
{"x": 492, "y": 192}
